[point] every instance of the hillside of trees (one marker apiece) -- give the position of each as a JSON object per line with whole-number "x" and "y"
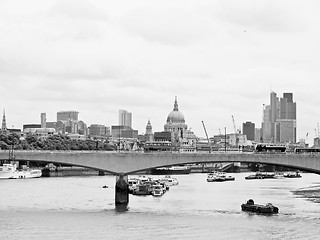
{"x": 55, "y": 142}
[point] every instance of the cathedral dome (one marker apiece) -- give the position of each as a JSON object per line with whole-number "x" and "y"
{"x": 175, "y": 116}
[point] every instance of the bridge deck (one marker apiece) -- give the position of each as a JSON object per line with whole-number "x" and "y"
{"x": 130, "y": 162}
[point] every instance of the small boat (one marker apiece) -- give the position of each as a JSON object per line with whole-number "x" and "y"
{"x": 7, "y": 170}
{"x": 170, "y": 181}
{"x": 267, "y": 175}
{"x": 171, "y": 170}
{"x": 157, "y": 190}
{"x": 142, "y": 189}
{"x": 219, "y": 177}
{"x": 132, "y": 182}
{"x": 292, "y": 175}
{"x": 250, "y": 206}
{"x": 278, "y": 176}
{"x": 255, "y": 176}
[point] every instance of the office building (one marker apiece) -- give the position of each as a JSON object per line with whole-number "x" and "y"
{"x": 279, "y": 119}
{"x": 67, "y": 116}
{"x": 96, "y": 130}
{"x": 117, "y": 130}
{"x": 125, "y": 118}
{"x": 33, "y": 126}
{"x": 248, "y": 129}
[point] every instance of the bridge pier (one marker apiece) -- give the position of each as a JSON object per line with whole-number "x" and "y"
{"x": 121, "y": 189}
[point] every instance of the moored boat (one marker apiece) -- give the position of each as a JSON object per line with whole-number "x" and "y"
{"x": 142, "y": 189}
{"x": 10, "y": 171}
{"x": 7, "y": 170}
{"x": 157, "y": 190}
{"x": 171, "y": 170}
{"x": 132, "y": 182}
{"x": 292, "y": 175}
{"x": 257, "y": 175}
{"x": 250, "y": 206}
{"x": 170, "y": 181}
{"x": 219, "y": 177}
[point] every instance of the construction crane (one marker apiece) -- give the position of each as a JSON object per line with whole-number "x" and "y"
{"x": 207, "y": 137}
{"x": 236, "y": 130}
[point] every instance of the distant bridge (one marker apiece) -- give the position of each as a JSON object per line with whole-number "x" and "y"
{"x": 131, "y": 162}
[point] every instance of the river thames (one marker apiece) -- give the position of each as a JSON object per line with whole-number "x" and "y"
{"x": 80, "y": 208}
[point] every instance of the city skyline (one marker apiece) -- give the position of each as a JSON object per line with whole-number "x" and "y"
{"x": 220, "y": 59}
{"x": 281, "y": 112}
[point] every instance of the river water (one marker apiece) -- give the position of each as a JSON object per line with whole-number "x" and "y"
{"x": 79, "y": 208}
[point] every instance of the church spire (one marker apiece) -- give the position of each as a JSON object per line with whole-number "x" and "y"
{"x": 4, "y": 124}
{"x": 175, "y": 108}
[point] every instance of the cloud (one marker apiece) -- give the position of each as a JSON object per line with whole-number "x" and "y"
{"x": 79, "y": 10}
{"x": 97, "y": 57}
{"x": 263, "y": 16}
{"x": 167, "y": 23}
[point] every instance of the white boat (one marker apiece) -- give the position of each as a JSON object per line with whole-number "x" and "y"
{"x": 278, "y": 176}
{"x": 10, "y": 171}
{"x": 29, "y": 173}
{"x": 219, "y": 177}
{"x": 157, "y": 190}
{"x": 133, "y": 183}
{"x": 7, "y": 170}
{"x": 170, "y": 181}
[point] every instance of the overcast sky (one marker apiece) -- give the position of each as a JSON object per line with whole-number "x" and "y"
{"x": 220, "y": 58}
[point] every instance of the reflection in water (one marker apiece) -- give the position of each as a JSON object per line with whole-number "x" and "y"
{"x": 121, "y": 208}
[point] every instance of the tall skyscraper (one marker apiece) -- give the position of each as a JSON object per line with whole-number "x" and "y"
{"x": 125, "y": 118}
{"x": 286, "y": 124}
{"x": 279, "y": 119}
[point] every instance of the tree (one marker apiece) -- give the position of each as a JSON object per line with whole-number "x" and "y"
{"x": 3, "y": 145}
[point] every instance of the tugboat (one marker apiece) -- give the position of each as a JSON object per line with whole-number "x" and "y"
{"x": 251, "y": 207}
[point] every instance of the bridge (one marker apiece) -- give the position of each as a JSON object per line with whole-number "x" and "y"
{"x": 126, "y": 163}
{"x": 130, "y": 162}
